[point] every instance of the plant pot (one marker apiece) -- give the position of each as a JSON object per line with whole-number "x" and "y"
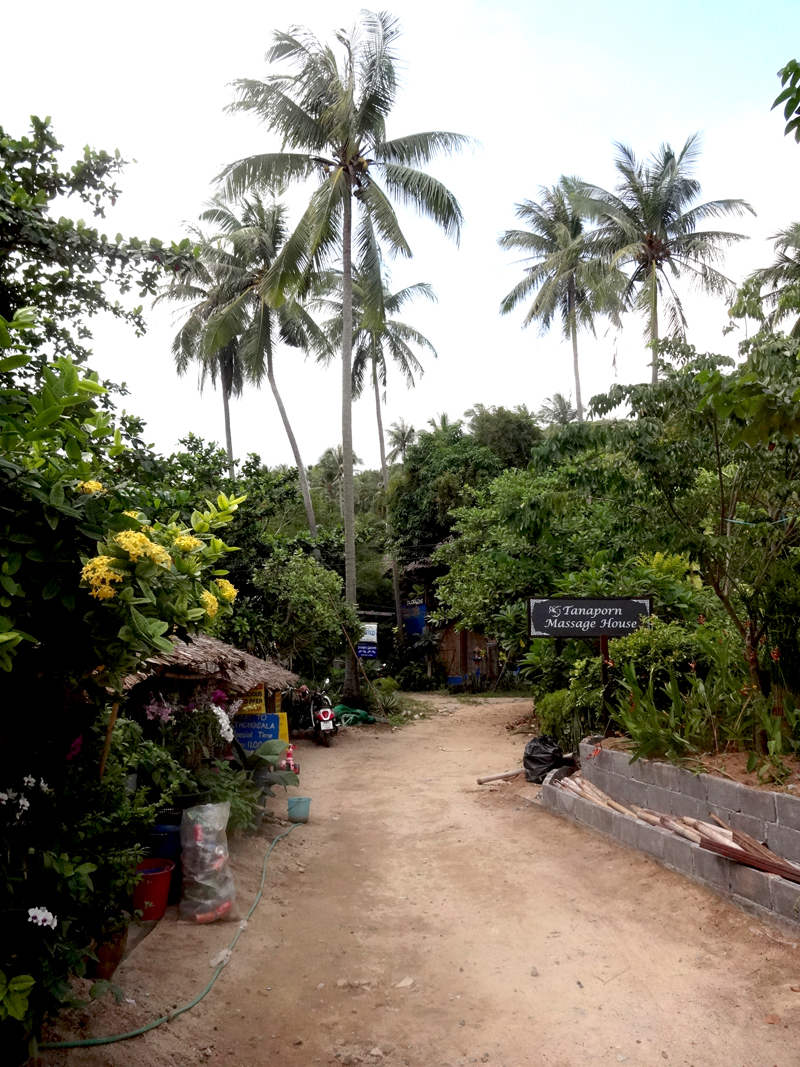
{"x": 151, "y": 893}
{"x": 109, "y": 954}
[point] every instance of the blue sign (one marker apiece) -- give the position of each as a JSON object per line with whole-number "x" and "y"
{"x": 251, "y": 731}
{"x": 367, "y": 650}
{"x": 414, "y": 612}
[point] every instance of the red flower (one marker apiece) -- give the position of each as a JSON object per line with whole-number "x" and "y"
{"x": 776, "y": 654}
{"x": 693, "y": 665}
{"x": 75, "y": 748}
{"x": 701, "y": 619}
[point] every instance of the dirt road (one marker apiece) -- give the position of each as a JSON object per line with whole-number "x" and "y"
{"x": 421, "y": 920}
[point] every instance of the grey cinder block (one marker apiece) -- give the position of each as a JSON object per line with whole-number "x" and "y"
{"x": 724, "y": 813}
{"x": 618, "y": 762}
{"x": 692, "y": 785}
{"x": 784, "y": 841}
{"x": 650, "y": 839}
{"x": 624, "y": 829}
{"x": 597, "y": 776}
{"x": 642, "y": 770}
{"x": 683, "y": 805}
{"x": 786, "y": 899}
{"x": 711, "y": 868}
{"x": 565, "y": 802}
{"x": 788, "y": 810}
{"x": 599, "y": 818}
{"x": 752, "y": 884}
{"x": 727, "y": 794}
{"x": 659, "y": 799}
{"x": 747, "y": 824}
{"x": 629, "y": 791}
{"x": 679, "y": 853}
{"x": 665, "y": 775}
{"x": 583, "y": 809}
{"x": 758, "y": 802}
{"x": 549, "y": 796}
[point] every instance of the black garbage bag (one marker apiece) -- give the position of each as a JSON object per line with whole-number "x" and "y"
{"x": 542, "y": 755}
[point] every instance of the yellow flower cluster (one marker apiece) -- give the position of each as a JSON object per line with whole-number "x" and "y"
{"x": 229, "y": 592}
{"x": 99, "y": 575}
{"x": 210, "y": 603}
{"x": 138, "y": 544}
{"x": 186, "y": 542}
{"x": 131, "y": 514}
{"x": 91, "y": 486}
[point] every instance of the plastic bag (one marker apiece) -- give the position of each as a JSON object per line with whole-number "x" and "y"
{"x": 542, "y": 755}
{"x": 208, "y": 889}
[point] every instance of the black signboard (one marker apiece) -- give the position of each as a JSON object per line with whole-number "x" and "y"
{"x": 579, "y": 617}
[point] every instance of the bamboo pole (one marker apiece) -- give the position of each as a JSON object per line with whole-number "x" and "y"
{"x": 107, "y": 743}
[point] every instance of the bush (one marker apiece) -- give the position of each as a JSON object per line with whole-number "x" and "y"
{"x": 554, "y": 712}
{"x": 414, "y": 678}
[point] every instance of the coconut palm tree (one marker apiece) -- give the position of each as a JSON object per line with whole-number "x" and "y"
{"x": 782, "y": 278}
{"x": 376, "y": 336}
{"x": 330, "y": 113}
{"x": 233, "y": 318}
{"x": 557, "y": 409}
{"x": 649, "y": 225}
{"x": 199, "y": 287}
{"x": 564, "y": 277}
{"x": 401, "y": 437}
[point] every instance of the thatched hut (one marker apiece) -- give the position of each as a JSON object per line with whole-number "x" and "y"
{"x": 207, "y": 660}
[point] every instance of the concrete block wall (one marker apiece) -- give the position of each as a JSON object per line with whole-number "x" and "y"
{"x": 771, "y": 818}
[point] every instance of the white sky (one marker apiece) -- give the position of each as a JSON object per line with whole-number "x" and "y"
{"x": 546, "y": 88}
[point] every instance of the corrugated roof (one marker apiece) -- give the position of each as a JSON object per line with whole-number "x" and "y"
{"x": 203, "y": 657}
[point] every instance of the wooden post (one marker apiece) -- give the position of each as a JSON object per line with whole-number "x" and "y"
{"x": 107, "y": 744}
{"x": 604, "y": 659}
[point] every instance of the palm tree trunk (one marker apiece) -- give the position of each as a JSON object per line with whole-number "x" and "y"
{"x": 226, "y": 381}
{"x": 351, "y": 683}
{"x": 574, "y": 331}
{"x": 385, "y": 472}
{"x": 301, "y": 471}
{"x": 654, "y": 325}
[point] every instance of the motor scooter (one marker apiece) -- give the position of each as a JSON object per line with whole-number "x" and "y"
{"x": 325, "y": 725}
{"x": 310, "y": 714}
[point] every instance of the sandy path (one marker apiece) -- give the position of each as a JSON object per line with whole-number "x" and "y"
{"x": 410, "y": 870}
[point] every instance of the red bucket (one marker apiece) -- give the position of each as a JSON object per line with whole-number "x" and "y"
{"x": 150, "y": 895}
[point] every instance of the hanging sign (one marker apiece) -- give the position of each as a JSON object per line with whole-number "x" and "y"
{"x": 582, "y": 617}
{"x": 368, "y": 645}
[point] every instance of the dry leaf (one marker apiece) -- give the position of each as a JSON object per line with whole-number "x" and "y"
{"x": 772, "y": 1019}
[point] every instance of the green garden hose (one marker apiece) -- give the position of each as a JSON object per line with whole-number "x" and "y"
{"x": 86, "y": 1042}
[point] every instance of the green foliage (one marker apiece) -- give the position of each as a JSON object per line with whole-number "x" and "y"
{"x": 790, "y": 97}
{"x": 14, "y": 995}
{"x": 442, "y": 471}
{"x": 65, "y": 268}
{"x": 224, "y": 783}
{"x": 555, "y": 715}
{"x": 510, "y": 433}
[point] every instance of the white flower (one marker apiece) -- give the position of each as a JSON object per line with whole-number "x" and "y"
{"x": 29, "y": 781}
{"x": 224, "y": 724}
{"x": 42, "y": 917}
{"x": 3, "y": 798}
{"x": 24, "y": 803}
{"x": 45, "y": 788}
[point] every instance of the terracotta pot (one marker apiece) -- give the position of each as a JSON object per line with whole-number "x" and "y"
{"x": 109, "y": 955}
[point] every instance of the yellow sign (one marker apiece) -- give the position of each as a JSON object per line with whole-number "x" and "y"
{"x": 253, "y": 702}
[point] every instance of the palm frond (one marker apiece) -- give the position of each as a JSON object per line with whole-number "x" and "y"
{"x": 429, "y": 197}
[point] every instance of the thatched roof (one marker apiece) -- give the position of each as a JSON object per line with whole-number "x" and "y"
{"x": 204, "y": 658}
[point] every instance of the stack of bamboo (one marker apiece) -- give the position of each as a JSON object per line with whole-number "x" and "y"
{"x": 721, "y": 838}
